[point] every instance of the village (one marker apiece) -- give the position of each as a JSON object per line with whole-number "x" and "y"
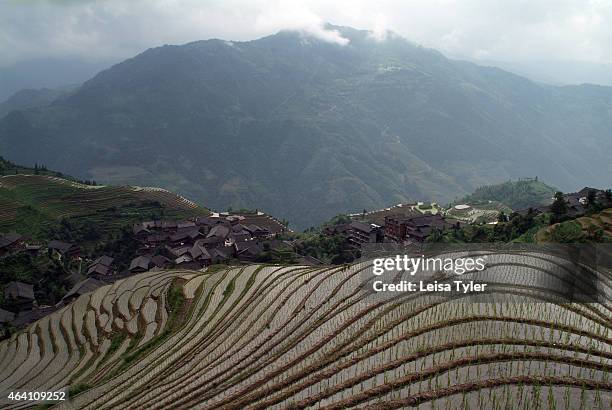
{"x": 195, "y": 244}
{"x": 230, "y": 239}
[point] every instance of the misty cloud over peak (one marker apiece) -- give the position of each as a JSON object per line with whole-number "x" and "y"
{"x": 514, "y": 31}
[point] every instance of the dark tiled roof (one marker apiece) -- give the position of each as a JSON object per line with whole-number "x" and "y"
{"x": 585, "y": 191}
{"x": 218, "y": 254}
{"x": 103, "y": 260}
{"x": 157, "y": 237}
{"x": 17, "y": 290}
{"x": 361, "y": 226}
{"x": 60, "y": 246}
{"x": 29, "y": 316}
{"x": 98, "y": 269}
{"x": 206, "y": 221}
{"x": 179, "y": 236}
{"x": 213, "y": 240}
{"x": 168, "y": 224}
{"x": 185, "y": 233}
{"x": 180, "y": 250}
{"x": 9, "y": 239}
{"x": 85, "y": 286}
{"x": 274, "y": 244}
{"x": 249, "y": 247}
{"x": 160, "y": 261}
{"x": 255, "y": 228}
{"x": 199, "y": 251}
{"x": 240, "y": 237}
{"x": 220, "y": 231}
{"x": 140, "y": 228}
{"x": 263, "y": 221}
{"x": 6, "y": 316}
{"x": 238, "y": 228}
{"x": 142, "y": 262}
{"x": 74, "y": 278}
{"x": 185, "y": 224}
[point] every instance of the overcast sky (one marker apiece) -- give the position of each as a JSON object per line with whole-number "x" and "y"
{"x": 510, "y": 30}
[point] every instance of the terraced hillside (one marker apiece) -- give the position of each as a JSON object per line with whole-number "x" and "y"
{"x": 295, "y": 337}
{"x": 31, "y": 201}
{"x": 594, "y": 227}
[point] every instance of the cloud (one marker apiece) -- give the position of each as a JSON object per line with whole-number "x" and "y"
{"x": 300, "y": 18}
{"x": 518, "y": 30}
{"x": 379, "y": 30}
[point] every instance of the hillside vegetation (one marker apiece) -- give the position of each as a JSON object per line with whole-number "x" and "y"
{"x": 307, "y": 129}
{"x": 590, "y": 228}
{"x": 295, "y": 337}
{"x": 9, "y": 168}
{"x": 518, "y": 195}
{"x": 35, "y": 204}
{"x": 26, "y": 99}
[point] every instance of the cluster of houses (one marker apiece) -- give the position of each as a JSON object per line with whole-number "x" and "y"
{"x": 577, "y": 203}
{"x": 356, "y": 233}
{"x": 221, "y": 238}
{"x": 413, "y": 229}
{"x": 399, "y": 228}
{"x": 190, "y": 244}
{"x": 201, "y": 242}
{"x": 13, "y": 242}
{"x": 414, "y": 223}
{"x": 402, "y": 223}
{"x": 19, "y": 295}
{"x": 21, "y": 298}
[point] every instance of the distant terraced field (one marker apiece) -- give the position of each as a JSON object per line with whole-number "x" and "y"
{"x": 579, "y": 229}
{"x": 296, "y": 337}
{"x": 35, "y": 200}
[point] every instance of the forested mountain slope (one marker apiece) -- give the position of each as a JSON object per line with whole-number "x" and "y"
{"x": 306, "y": 129}
{"x": 517, "y": 195}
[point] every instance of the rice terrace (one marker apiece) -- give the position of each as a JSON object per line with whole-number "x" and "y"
{"x": 333, "y": 204}
{"x": 263, "y": 336}
{"x": 36, "y": 201}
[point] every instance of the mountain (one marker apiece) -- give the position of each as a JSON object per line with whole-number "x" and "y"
{"x": 518, "y": 195}
{"x": 557, "y": 72}
{"x": 52, "y": 72}
{"x": 307, "y": 129}
{"x": 31, "y": 98}
{"x": 299, "y": 337}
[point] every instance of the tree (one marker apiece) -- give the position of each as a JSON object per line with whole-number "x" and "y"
{"x": 594, "y": 233}
{"x": 559, "y": 207}
{"x": 435, "y": 236}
